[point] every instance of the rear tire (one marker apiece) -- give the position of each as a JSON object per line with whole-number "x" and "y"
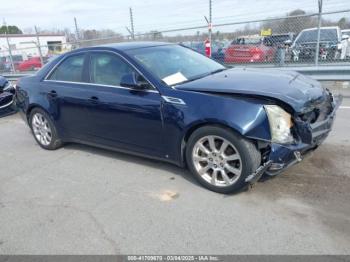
{"x": 44, "y": 130}
{"x": 220, "y": 159}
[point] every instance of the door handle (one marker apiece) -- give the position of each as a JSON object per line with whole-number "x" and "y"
{"x": 93, "y": 99}
{"x": 52, "y": 93}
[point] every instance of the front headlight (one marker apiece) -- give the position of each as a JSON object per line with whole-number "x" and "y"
{"x": 280, "y": 124}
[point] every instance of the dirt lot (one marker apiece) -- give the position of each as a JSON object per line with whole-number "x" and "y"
{"x": 83, "y": 200}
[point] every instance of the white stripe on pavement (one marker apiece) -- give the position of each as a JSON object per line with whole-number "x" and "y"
{"x": 344, "y": 107}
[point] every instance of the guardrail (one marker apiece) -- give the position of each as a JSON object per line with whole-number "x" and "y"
{"x": 14, "y": 77}
{"x": 321, "y": 73}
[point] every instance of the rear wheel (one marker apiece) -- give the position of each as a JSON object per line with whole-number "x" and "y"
{"x": 43, "y": 129}
{"x": 220, "y": 159}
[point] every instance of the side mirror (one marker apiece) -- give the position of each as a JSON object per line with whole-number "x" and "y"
{"x": 133, "y": 80}
{"x": 345, "y": 37}
{"x": 288, "y": 42}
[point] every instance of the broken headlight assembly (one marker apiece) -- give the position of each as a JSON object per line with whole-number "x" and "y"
{"x": 280, "y": 124}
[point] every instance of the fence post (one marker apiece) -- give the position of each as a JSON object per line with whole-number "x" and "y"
{"x": 39, "y": 47}
{"x": 10, "y": 52}
{"x": 132, "y": 24}
{"x": 318, "y": 31}
{"x": 77, "y": 34}
{"x": 210, "y": 26}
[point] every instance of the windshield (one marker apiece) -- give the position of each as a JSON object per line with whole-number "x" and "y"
{"x": 311, "y": 36}
{"x": 175, "y": 64}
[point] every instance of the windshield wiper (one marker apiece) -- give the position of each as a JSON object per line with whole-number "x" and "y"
{"x": 193, "y": 79}
{"x": 218, "y": 71}
{"x": 202, "y": 75}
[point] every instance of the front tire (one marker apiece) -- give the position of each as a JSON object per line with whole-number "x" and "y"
{"x": 44, "y": 130}
{"x": 221, "y": 159}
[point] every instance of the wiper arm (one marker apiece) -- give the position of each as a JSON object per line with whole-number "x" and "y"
{"x": 201, "y": 76}
{"x": 217, "y": 71}
{"x": 192, "y": 79}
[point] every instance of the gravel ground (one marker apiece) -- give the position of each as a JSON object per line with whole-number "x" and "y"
{"x": 83, "y": 200}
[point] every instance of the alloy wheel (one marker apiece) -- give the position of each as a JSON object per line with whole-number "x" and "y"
{"x": 41, "y": 129}
{"x": 217, "y": 161}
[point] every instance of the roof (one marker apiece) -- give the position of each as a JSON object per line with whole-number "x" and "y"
{"x": 27, "y": 35}
{"x": 322, "y": 27}
{"x": 134, "y": 45}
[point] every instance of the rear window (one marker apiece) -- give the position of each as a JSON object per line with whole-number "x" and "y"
{"x": 311, "y": 36}
{"x": 17, "y": 58}
{"x": 247, "y": 41}
{"x": 277, "y": 39}
{"x": 70, "y": 70}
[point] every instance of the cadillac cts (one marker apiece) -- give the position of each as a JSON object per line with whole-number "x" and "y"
{"x": 165, "y": 101}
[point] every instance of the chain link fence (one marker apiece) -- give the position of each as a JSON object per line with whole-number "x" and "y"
{"x": 294, "y": 40}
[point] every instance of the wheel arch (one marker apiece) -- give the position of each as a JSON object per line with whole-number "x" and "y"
{"x": 196, "y": 126}
{"x": 30, "y": 109}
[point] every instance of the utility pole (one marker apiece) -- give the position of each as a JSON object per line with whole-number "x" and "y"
{"x": 9, "y": 47}
{"x": 210, "y": 24}
{"x": 76, "y": 29}
{"x": 132, "y": 24}
{"x": 320, "y": 4}
{"x": 38, "y": 45}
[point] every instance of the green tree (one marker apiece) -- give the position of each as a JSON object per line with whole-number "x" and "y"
{"x": 344, "y": 23}
{"x": 10, "y": 29}
{"x": 294, "y": 23}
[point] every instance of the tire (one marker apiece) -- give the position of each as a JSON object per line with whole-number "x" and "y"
{"x": 41, "y": 125}
{"x": 245, "y": 155}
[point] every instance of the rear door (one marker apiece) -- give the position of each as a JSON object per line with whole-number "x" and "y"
{"x": 68, "y": 95}
{"x": 124, "y": 117}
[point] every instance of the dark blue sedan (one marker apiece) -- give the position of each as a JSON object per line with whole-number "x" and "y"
{"x": 167, "y": 102}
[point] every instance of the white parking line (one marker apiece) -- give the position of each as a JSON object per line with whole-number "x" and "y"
{"x": 344, "y": 107}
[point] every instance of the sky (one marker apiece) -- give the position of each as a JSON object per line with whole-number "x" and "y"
{"x": 148, "y": 14}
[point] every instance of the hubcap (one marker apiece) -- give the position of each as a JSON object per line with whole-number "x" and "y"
{"x": 217, "y": 161}
{"x": 41, "y": 129}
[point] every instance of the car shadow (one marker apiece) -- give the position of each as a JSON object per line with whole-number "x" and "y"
{"x": 7, "y": 112}
{"x": 157, "y": 164}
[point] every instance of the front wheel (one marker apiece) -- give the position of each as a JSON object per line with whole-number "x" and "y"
{"x": 220, "y": 159}
{"x": 43, "y": 129}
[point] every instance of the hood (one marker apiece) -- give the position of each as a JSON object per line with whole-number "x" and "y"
{"x": 292, "y": 88}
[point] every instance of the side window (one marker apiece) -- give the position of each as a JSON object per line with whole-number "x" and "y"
{"x": 108, "y": 69}
{"x": 71, "y": 69}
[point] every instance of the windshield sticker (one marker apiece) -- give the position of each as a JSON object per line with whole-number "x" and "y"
{"x": 174, "y": 79}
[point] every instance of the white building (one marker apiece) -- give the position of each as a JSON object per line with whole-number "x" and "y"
{"x": 27, "y": 44}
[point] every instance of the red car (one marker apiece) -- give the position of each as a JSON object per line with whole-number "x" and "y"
{"x": 31, "y": 64}
{"x": 250, "y": 50}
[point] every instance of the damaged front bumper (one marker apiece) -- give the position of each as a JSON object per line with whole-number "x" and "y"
{"x": 281, "y": 156}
